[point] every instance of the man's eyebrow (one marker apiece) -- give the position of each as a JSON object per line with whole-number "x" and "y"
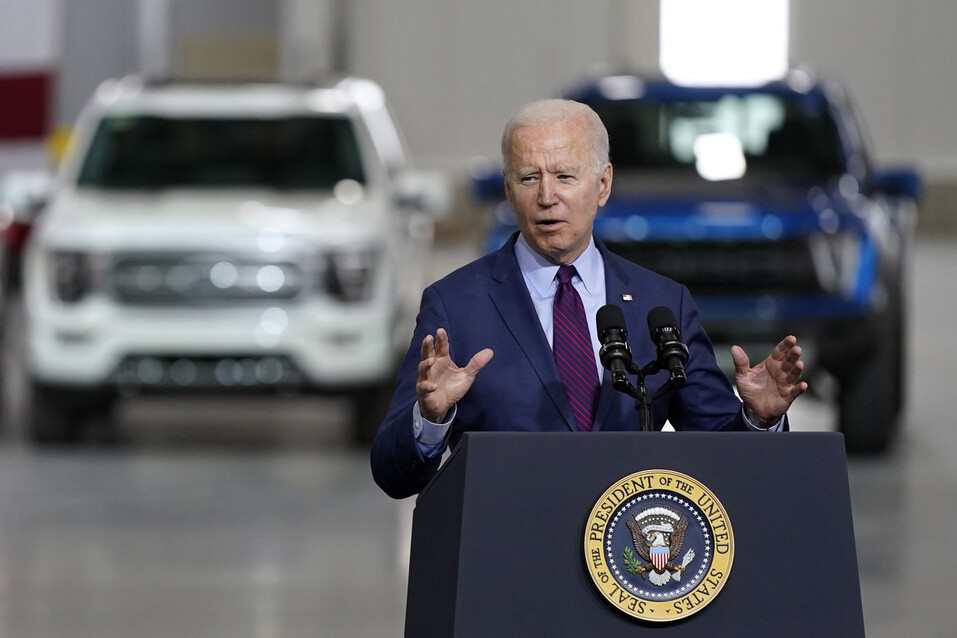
{"x": 570, "y": 170}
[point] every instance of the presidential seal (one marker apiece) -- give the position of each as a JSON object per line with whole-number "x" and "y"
{"x": 659, "y": 545}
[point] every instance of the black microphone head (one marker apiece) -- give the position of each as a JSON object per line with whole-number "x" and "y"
{"x": 610, "y": 317}
{"x": 661, "y": 317}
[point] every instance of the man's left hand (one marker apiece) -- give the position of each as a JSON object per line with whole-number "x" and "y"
{"x": 769, "y": 388}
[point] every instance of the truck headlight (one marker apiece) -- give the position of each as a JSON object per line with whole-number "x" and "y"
{"x": 836, "y": 261}
{"x": 73, "y": 275}
{"x": 349, "y": 276}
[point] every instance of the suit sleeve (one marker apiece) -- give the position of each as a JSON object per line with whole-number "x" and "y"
{"x": 707, "y": 401}
{"x": 398, "y": 465}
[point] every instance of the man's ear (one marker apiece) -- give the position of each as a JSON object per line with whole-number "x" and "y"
{"x": 604, "y": 181}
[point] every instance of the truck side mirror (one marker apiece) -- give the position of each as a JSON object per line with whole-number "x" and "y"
{"x": 427, "y": 191}
{"x": 898, "y": 182}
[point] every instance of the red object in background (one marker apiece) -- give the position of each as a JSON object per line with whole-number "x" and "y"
{"x": 15, "y": 235}
{"x": 24, "y": 105}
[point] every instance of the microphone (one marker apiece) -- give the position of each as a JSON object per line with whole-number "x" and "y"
{"x": 615, "y": 355}
{"x": 672, "y": 354}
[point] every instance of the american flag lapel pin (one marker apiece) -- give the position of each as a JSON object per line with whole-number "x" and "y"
{"x": 627, "y": 297}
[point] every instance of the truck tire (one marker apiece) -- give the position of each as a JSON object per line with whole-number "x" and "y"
{"x": 59, "y": 415}
{"x": 370, "y": 407}
{"x": 872, "y": 394}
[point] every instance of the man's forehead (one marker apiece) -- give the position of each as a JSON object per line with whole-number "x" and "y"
{"x": 552, "y": 129}
{"x": 531, "y": 144}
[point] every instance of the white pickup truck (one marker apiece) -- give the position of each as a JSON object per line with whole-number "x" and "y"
{"x": 226, "y": 238}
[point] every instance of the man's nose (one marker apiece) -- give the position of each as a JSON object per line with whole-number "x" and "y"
{"x": 546, "y": 191}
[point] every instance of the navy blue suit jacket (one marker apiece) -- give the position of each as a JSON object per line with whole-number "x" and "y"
{"x": 486, "y": 304}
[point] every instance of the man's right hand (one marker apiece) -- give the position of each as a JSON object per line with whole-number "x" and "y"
{"x": 441, "y": 383}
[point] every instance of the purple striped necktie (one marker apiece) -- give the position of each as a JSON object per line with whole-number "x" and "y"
{"x": 574, "y": 354}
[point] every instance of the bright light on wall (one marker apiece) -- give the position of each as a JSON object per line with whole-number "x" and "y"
{"x": 724, "y": 42}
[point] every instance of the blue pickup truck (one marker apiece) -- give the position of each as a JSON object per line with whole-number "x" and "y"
{"x": 765, "y": 202}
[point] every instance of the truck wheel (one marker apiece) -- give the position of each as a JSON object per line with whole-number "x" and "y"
{"x": 370, "y": 407}
{"x": 59, "y": 415}
{"x": 872, "y": 395}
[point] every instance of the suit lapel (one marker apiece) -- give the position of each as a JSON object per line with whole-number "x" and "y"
{"x": 617, "y": 284}
{"x": 510, "y": 296}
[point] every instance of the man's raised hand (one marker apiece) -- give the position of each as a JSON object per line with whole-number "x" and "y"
{"x": 769, "y": 388}
{"x": 441, "y": 383}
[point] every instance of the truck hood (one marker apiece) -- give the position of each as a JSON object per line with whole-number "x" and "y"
{"x": 181, "y": 219}
{"x": 725, "y": 212}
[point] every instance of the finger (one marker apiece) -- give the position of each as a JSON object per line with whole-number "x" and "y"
{"x": 425, "y": 387}
{"x": 794, "y": 354}
{"x": 441, "y": 343}
{"x": 788, "y": 377}
{"x": 795, "y": 372}
{"x": 789, "y": 360}
{"x": 793, "y": 366}
{"x": 428, "y": 347}
{"x": 797, "y": 390}
{"x": 784, "y": 348}
{"x": 741, "y": 362}
{"x": 479, "y": 361}
{"x": 425, "y": 366}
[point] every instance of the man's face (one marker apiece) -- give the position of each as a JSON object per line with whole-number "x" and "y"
{"x": 552, "y": 186}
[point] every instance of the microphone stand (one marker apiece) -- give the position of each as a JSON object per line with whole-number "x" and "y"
{"x": 640, "y": 393}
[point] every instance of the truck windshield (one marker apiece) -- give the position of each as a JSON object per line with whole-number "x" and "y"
{"x": 156, "y": 152}
{"x": 748, "y": 134}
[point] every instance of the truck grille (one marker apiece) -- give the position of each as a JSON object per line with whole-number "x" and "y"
{"x": 146, "y": 372}
{"x": 203, "y": 279}
{"x": 729, "y": 268}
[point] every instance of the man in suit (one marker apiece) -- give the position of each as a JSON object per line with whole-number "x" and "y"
{"x": 557, "y": 174}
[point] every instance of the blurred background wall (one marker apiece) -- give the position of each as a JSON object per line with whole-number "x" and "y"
{"x": 455, "y": 71}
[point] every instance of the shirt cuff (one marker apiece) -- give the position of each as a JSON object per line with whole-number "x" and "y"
{"x": 431, "y": 437}
{"x": 776, "y": 427}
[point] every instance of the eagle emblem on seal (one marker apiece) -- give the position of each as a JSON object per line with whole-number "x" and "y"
{"x": 658, "y": 534}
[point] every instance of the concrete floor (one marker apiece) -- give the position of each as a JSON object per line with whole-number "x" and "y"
{"x": 255, "y": 518}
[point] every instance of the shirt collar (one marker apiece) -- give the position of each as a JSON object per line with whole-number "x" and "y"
{"x": 540, "y": 272}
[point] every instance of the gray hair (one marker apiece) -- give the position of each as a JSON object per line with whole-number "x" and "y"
{"x": 557, "y": 110}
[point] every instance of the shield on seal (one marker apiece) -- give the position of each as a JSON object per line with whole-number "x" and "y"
{"x": 659, "y": 557}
